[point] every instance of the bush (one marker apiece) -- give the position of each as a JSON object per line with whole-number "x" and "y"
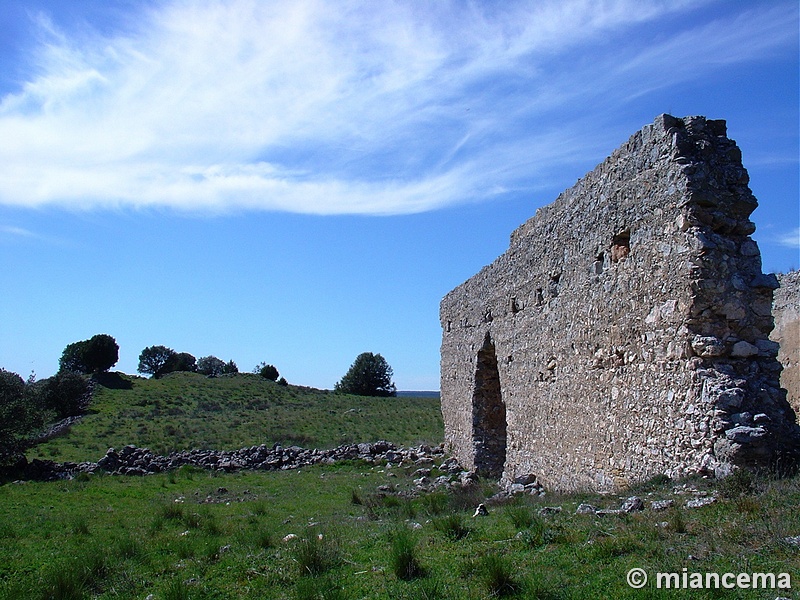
{"x": 19, "y": 416}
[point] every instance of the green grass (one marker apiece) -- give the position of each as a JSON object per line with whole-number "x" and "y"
{"x": 181, "y": 537}
{"x": 186, "y": 410}
{"x": 193, "y": 534}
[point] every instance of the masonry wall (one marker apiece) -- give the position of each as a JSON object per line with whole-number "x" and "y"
{"x": 628, "y": 322}
{"x": 786, "y": 310}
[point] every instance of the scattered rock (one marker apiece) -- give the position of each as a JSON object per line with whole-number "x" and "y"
{"x": 632, "y": 504}
{"x": 659, "y": 505}
{"x": 699, "y": 502}
{"x": 480, "y": 511}
{"x": 585, "y": 509}
{"x": 549, "y": 510}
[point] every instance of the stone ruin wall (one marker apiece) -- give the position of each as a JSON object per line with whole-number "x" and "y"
{"x": 786, "y": 310}
{"x": 624, "y": 333}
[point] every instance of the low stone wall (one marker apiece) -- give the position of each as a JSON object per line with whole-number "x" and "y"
{"x": 131, "y": 460}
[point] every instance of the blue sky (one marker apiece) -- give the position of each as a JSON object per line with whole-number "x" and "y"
{"x": 299, "y": 182}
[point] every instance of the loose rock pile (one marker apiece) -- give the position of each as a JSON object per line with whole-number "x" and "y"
{"x": 131, "y": 460}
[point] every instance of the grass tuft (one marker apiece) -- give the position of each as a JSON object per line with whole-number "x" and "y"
{"x": 452, "y": 526}
{"x": 498, "y": 578}
{"x": 315, "y": 553}
{"x": 403, "y": 555}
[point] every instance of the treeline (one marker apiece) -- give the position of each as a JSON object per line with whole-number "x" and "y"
{"x": 26, "y": 406}
{"x": 160, "y": 360}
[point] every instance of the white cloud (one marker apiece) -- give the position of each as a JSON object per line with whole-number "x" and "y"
{"x": 323, "y": 107}
{"x": 791, "y": 239}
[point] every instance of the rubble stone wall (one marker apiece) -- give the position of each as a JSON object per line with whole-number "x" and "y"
{"x": 624, "y": 333}
{"x": 786, "y": 310}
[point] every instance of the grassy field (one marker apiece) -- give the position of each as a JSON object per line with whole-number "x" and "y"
{"x": 186, "y": 410}
{"x": 198, "y": 535}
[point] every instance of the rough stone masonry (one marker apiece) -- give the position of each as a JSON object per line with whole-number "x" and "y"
{"x": 625, "y": 332}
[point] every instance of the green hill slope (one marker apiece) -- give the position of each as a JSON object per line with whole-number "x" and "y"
{"x": 182, "y": 411}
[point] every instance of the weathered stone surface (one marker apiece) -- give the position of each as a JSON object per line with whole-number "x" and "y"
{"x": 623, "y": 328}
{"x": 786, "y": 309}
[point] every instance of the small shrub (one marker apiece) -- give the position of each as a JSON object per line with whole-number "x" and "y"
{"x": 497, "y": 577}
{"x": 355, "y": 498}
{"x": 403, "y": 555}
{"x": 452, "y": 526}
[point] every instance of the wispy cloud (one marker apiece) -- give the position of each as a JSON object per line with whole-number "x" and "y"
{"x": 336, "y": 107}
{"x": 791, "y": 239}
{"x": 16, "y": 231}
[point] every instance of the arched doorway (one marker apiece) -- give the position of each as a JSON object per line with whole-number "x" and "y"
{"x": 488, "y": 414}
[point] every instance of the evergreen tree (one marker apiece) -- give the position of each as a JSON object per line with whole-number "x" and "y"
{"x": 369, "y": 375}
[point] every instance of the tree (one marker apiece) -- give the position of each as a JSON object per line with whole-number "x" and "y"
{"x": 101, "y": 353}
{"x": 155, "y": 359}
{"x": 72, "y": 359}
{"x": 230, "y": 368}
{"x": 182, "y": 361}
{"x": 19, "y": 416}
{"x": 95, "y": 355}
{"x": 269, "y": 372}
{"x": 369, "y": 375}
{"x": 210, "y": 365}
{"x": 66, "y": 393}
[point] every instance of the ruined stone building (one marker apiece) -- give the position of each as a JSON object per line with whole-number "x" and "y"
{"x": 625, "y": 332}
{"x": 786, "y": 310}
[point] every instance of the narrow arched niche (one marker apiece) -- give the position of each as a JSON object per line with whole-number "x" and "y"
{"x": 488, "y": 414}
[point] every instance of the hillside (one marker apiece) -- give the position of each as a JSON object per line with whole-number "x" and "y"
{"x": 182, "y": 411}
